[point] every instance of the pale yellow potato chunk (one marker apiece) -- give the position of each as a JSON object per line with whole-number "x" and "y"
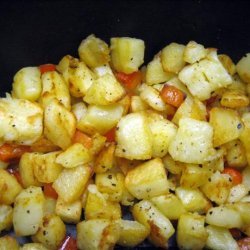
{"x": 227, "y": 63}
{"x": 33, "y": 246}
{"x": 7, "y": 242}
{"x": 27, "y": 84}
{"x": 194, "y": 52}
{"x": 134, "y": 137}
{"x": 193, "y": 141}
{"x": 127, "y": 54}
{"x": 21, "y": 121}
{"x": 242, "y": 68}
{"x": 6, "y": 216}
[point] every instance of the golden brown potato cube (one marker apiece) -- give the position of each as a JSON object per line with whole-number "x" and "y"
{"x": 242, "y": 68}
{"x": 134, "y": 138}
{"x": 191, "y": 232}
{"x": 99, "y": 207}
{"x": 94, "y": 51}
{"x": 223, "y": 216}
{"x": 57, "y": 116}
{"x": 193, "y": 199}
{"x": 236, "y": 154}
{"x": 245, "y": 135}
{"x": 226, "y": 124}
{"x": 170, "y": 205}
{"x": 71, "y": 182}
{"x": 172, "y": 57}
{"x": 46, "y": 170}
{"x": 51, "y": 232}
{"x": 217, "y": 187}
{"x": 147, "y": 180}
{"x": 27, "y": 84}
{"x": 74, "y": 156}
{"x": 98, "y": 142}
{"x": 9, "y": 187}
{"x": 244, "y": 209}
{"x": 105, "y": 159}
{"x": 69, "y": 212}
{"x": 127, "y": 54}
{"x": 137, "y": 104}
{"x": 100, "y": 118}
{"x": 160, "y": 226}
{"x": 220, "y": 238}
{"x": 155, "y": 73}
{"x": 49, "y": 206}
{"x": 234, "y": 99}
{"x": 111, "y": 184}
{"x": 26, "y": 170}
{"x": 132, "y": 233}
{"x": 236, "y": 193}
{"x": 43, "y": 145}
{"x": 227, "y": 63}
{"x": 194, "y": 176}
{"x": 98, "y": 234}
{"x": 54, "y": 87}
{"x": 28, "y": 211}
{"x": 7, "y": 242}
{"x": 174, "y": 167}
{"x": 105, "y": 90}
{"x": 6, "y": 215}
{"x": 194, "y": 52}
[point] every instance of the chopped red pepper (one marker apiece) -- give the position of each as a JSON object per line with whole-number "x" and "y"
{"x": 10, "y": 152}
{"x": 171, "y": 95}
{"x": 235, "y": 175}
{"x": 69, "y": 243}
{"x": 47, "y": 67}
{"x": 110, "y": 135}
{"x": 49, "y": 191}
{"x": 82, "y": 138}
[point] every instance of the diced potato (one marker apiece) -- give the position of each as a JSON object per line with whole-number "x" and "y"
{"x": 236, "y": 155}
{"x": 21, "y": 121}
{"x": 246, "y": 177}
{"x": 33, "y": 246}
{"x": 26, "y": 170}
{"x": 244, "y": 209}
{"x": 79, "y": 109}
{"x": 28, "y": 211}
{"x": 6, "y": 215}
{"x": 192, "y": 108}
{"x": 217, "y": 187}
{"x": 174, "y": 167}
{"x": 170, "y": 205}
{"x": 155, "y": 73}
{"x": 216, "y": 162}
{"x": 194, "y": 52}
{"x": 172, "y": 57}
{"x": 69, "y": 212}
{"x": 27, "y": 84}
{"x": 111, "y": 184}
{"x": 163, "y": 131}
{"x": 74, "y": 156}
{"x": 227, "y": 63}
{"x": 9, "y": 187}
{"x": 193, "y": 199}
{"x": 103, "y": 70}
{"x": 43, "y": 145}
{"x": 51, "y": 233}
{"x": 160, "y": 226}
{"x": 54, "y": 87}
{"x": 237, "y": 193}
{"x": 99, "y": 234}
{"x": 100, "y": 118}
{"x": 45, "y": 168}
{"x": 127, "y": 54}
{"x": 220, "y": 239}
{"x": 234, "y": 99}
{"x": 127, "y": 198}
{"x": 224, "y": 217}
{"x": 104, "y": 90}
{"x": 152, "y": 98}
{"x": 191, "y": 232}
{"x": 194, "y": 135}
{"x": 94, "y": 51}
{"x": 98, "y": 142}
{"x": 242, "y": 68}
{"x": 57, "y": 116}
{"x": 134, "y": 138}
{"x": 147, "y": 180}
{"x": 71, "y": 182}
{"x": 105, "y": 159}
{"x": 49, "y": 206}
{"x": 137, "y": 104}
{"x": 7, "y": 242}
{"x": 245, "y": 135}
{"x": 227, "y": 125}
{"x": 194, "y": 176}
{"x": 99, "y": 207}
{"x": 132, "y": 233}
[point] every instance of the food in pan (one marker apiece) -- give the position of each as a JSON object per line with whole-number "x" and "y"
{"x": 91, "y": 137}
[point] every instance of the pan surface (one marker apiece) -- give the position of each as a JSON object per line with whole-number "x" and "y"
{"x": 38, "y": 32}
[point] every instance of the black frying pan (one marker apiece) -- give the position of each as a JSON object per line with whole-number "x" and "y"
{"x": 38, "y": 32}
